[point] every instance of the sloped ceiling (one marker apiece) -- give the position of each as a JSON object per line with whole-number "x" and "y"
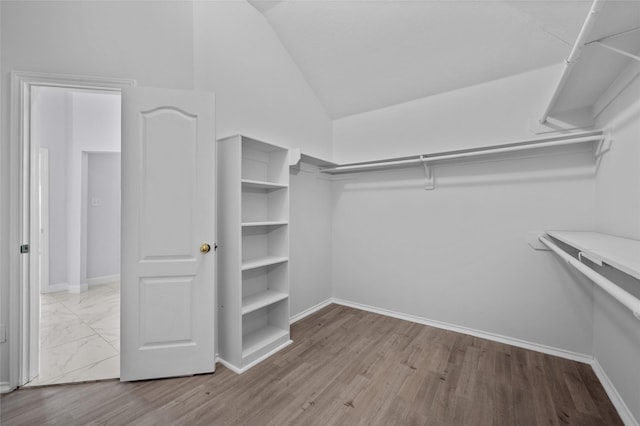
{"x": 362, "y": 55}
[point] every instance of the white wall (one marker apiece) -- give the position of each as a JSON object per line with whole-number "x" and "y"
{"x": 616, "y": 331}
{"x": 618, "y": 183}
{"x": 310, "y": 238}
{"x": 457, "y": 254}
{"x": 151, "y": 42}
{"x": 260, "y": 92}
{"x": 50, "y": 130}
{"x": 486, "y": 114}
{"x": 95, "y": 126}
{"x": 70, "y": 124}
{"x": 103, "y": 214}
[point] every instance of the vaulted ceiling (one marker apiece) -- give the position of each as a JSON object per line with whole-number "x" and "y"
{"x": 362, "y": 55}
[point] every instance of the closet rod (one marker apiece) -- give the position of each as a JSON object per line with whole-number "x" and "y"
{"x": 451, "y": 155}
{"x": 625, "y": 298}
{"x": 533, "y": 145}
{"x": 573, "y": 56}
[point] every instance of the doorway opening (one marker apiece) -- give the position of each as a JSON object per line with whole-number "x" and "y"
{"x": 168, "y": 211}
{"x": 74, "y": 222}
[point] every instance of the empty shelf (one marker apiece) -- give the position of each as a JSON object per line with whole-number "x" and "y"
{"x": 620, "y": 253}
{"x": 260, "y": 300}
{"x": 263, "y": 261}
{"x": 262, "y": 184}
{"x": 266, "y": 223}
{"x": 257, "y": 340}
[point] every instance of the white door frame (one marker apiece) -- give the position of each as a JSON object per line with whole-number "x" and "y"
{"x": 22, "y": 309}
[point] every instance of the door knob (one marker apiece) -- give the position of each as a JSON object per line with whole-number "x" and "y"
{"x": 205, "y": 248}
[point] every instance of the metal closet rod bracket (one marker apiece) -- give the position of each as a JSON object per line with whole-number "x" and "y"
{"x": 429, "y": 181}
{"x": 605, "y": 143}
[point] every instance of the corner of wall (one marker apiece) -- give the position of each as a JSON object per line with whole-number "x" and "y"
{"x": 260, "y": 90}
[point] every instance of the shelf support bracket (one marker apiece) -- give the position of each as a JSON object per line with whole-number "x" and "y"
{"x": 604, "y": 145}
{"x": 615, "y": 49}
{"x": 429, "y": 182}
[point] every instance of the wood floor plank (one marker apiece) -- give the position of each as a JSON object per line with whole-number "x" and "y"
{"x": 345, "y": 367}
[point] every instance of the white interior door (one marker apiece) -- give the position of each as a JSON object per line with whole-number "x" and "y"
{"x": 168, "y": 213}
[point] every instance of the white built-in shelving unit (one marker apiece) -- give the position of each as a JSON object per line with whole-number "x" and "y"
{"x": 253, "y": 263}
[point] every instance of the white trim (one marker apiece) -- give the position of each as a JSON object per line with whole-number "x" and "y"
{"x": 5, "y": 388}
{"x": 54, "y": 288}
{"x": 253, "y": 363}
{"x": 574, "y": 356}
{"x": 625, "y": 414}
{"x": 311, "y": 310}
{"x": 19, "y": 180}
{"x": 105, "y": 279}
{"x": 73, "y": 81}
{"x": 230, "y": 366}
{"x": 78, "y": 288}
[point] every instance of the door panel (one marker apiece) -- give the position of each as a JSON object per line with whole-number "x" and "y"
{"x": 168, "y": 208}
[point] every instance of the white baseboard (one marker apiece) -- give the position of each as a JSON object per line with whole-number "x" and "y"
{"x": 574, "y": 356}
{"x": 625, "y": 414}
{"x": 311, "y": 310}
{"x": 77, "y": 288}
{"x": 229, "y": 366}
{"x": 253, "y": 363}
{"x": 54, "y": 288}
{"x": 105, "y": 279}
{"x": 5, "y": 387}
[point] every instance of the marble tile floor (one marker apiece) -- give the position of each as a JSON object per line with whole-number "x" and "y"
{"x": 79, "y": 336}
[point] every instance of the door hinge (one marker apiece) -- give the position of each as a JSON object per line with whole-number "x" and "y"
{"x": 24, "y": 249}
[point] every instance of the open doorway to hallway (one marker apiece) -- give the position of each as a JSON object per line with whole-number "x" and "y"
{"x": 75, "y": 135}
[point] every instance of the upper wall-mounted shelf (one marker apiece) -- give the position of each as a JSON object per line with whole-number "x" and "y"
{"x": 603, "y": 62}
{"x": 426, "y": 160}
{"x": 296, "y": 156}
{"x": 620, "y": 253}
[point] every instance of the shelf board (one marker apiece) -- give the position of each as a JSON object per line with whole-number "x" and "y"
{"x": 260, "y": 300}
{"x": 255, "y": 341}
{"x": 266, "y": 223}
{"x": 620, "y": 253}
{"x": 263, "y": 184}
{"x": 263, "y": 261}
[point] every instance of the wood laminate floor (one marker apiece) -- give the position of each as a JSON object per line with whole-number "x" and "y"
{"x": 345, "y": 367}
